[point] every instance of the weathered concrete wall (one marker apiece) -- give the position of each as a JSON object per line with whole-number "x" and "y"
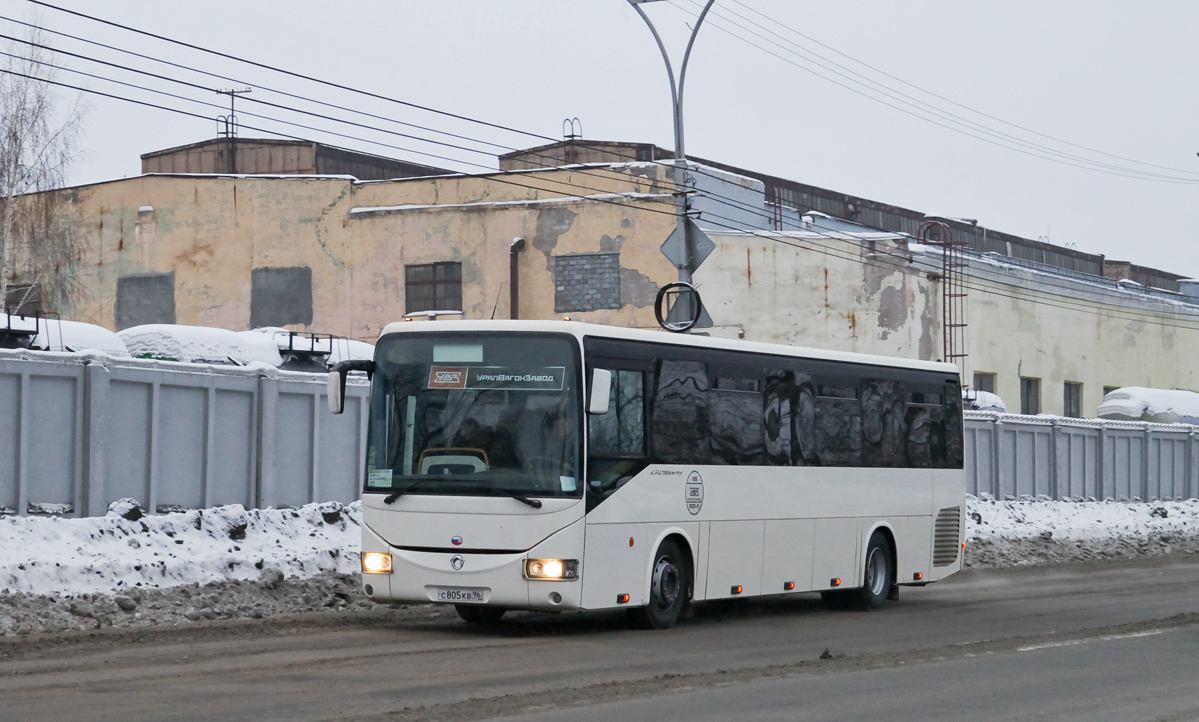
{"x": 215, "y": 233}
{"x": 1059, "y": 331}
{"x": 807, "y": 290}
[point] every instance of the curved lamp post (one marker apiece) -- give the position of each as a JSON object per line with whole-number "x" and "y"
{"x": 682, "y": 203}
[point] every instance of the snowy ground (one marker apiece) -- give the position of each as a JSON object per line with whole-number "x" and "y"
{"x": 125, "y": 569}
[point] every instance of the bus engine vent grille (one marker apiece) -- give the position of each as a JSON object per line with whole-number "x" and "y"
{"x": 947, "y": 533}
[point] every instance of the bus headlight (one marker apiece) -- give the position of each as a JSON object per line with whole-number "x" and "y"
{"x": 563, "y": 569}
{"x": 376, "y": 563}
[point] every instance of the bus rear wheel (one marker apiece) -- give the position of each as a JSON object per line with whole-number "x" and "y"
{"x": 482, "y": 615}
{"x": 878, "y": 577}
{"x": 669, "y": 585}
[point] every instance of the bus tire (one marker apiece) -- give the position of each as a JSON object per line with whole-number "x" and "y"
{"x": 477, "y": 614}
{"x": 877, "y": 579}
{"x": 670, "y": 581}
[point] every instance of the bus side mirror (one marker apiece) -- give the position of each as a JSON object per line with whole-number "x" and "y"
{"x": 336, "y": 389}
{"x": 601, "y": 386}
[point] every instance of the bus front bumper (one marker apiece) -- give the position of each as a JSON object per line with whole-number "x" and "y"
{"x": 470, "y": 578}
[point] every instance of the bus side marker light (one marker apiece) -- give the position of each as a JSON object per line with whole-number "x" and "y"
{"x": 622, "y": 599}
{"x": 918, "y": 576}
{"x": 834, "y": 582}
{"x": 736, "y": 589}
{"x": 788, "y": 586}
{"x": 963, "y": 545}
{"x": 630, "y": 541}
{"x": 376, "y": 563}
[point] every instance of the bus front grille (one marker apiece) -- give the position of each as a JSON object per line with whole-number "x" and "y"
{"x": 947, "y": 532}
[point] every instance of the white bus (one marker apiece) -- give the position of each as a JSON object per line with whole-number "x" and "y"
{"x": 554, "y": 465}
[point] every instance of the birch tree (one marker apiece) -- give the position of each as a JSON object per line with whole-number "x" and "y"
{"x": 39, "y": 138}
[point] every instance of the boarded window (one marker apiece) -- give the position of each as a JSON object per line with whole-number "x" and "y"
{"x": 145, "y": 298}
{"x": 586, "y": 282}
{"x": 280, "y": 296}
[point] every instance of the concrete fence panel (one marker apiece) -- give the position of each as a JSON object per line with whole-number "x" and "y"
{"x": 78, "y": 432}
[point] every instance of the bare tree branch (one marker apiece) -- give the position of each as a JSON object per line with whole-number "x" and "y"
{"x": 39, "y": 242}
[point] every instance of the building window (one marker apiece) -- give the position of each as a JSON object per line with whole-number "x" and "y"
{"x": 1030, "y": 396}
{"x": 1072, "y": 400}
{"x": 984, "y": 382}
{"x": 433, "y": 287}
{"x": 1108, "y": 389}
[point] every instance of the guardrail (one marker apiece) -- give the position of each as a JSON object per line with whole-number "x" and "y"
{"x": 79, "y": 431}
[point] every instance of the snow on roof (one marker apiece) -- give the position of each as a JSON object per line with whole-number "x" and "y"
{"x": 55, "y": 335}
{"x": 345, "y": 349}
{"x": 983, "y": 401}
{"x": 1161, "y": 406}
{"x": 387, "y": 210}
{"x": 172, "y": 342}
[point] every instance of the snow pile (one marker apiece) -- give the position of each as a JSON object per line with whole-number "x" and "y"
{"x": 1162, "y": 406}
{"x": 126, "y": 549}
{"x": 1043, "y": 531}
{"x": 200, "y": 344}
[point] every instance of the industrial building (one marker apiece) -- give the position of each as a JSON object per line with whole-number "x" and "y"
{"x": 305, "y": 236}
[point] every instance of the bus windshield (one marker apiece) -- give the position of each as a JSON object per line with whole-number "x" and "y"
{"x": 475, "y": 414}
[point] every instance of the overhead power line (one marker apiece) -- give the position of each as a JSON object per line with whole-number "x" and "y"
{"x": 724, "y": 200}
{"x": 896, "y": 100}
{"x": 777, "y": 23}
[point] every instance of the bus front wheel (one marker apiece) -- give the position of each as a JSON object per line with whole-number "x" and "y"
{"x": 482, "y": 615}
{"x": 669, "y": 584}
{"x": 877, "y": 580}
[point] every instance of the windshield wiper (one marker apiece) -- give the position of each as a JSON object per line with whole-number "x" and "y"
{"x": 535, "y": 503}
{"x": 390, "y": 498}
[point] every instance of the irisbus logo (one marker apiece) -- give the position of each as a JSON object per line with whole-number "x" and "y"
{"x": 456, "y": 541}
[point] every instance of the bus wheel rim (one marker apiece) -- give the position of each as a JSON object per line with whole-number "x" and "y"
{"x": 876, "y": 574}
{"x": 665, "y": 590}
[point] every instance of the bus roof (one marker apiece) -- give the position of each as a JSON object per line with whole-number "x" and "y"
{"x": 580, "y": 330}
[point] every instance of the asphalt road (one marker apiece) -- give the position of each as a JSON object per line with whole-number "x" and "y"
{"x": 1087, "y": 642}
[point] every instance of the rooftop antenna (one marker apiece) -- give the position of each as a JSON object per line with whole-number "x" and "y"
{"x": 230, "y": 125}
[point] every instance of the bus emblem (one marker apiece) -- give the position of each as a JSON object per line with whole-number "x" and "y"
{"x": 456, "y": 541}
{"x": 457, "y": 561}
{"x": 694, "y": 492}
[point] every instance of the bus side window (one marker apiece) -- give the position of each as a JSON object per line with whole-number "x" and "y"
{"x": 838, "y": 422}
{"x": 954, "y": 444}
{"x": 778, "y": 404}
{"x": 735, "y": 413}
{"x": 621, "y": 431}
{"x": 884, "y": 428}
{"x": 679, "y": 415}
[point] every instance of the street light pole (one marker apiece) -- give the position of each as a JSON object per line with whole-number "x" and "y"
{"x": 682, "y": 202}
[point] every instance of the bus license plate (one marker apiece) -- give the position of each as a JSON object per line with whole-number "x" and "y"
{"x": 460, "y": 595}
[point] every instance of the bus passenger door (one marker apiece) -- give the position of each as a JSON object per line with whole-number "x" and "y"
{"x": 735, "y": 558}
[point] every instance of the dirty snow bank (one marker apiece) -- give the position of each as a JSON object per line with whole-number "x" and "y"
{"x": 229, "y": 563}
{"x": 126, "y": 549}
{"x": 1042, "y": 531}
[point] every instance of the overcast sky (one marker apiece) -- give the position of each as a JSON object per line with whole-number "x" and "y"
{"x": 1092, "y": 78}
